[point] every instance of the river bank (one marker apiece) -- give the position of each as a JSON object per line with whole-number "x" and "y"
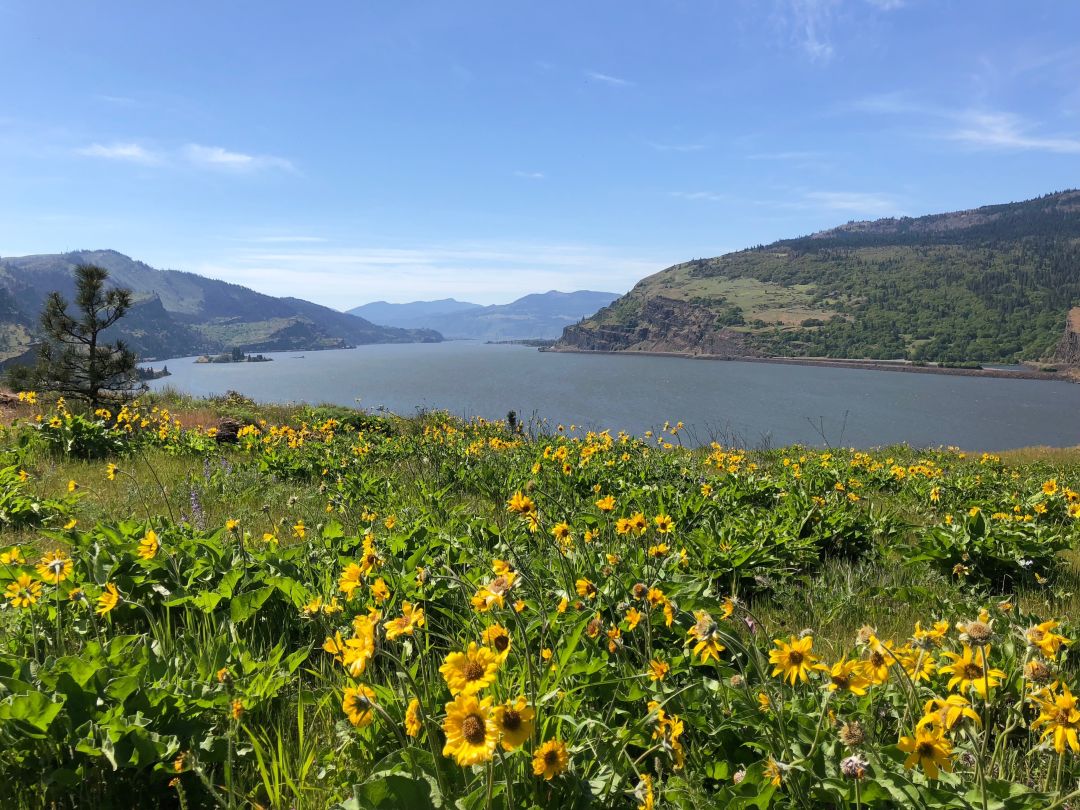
{"x": 1069, "y": 375}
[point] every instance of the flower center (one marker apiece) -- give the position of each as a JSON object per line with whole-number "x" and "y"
{"x": 551, "y": 757}
{"x": 795, "y": 658}
{"x": 473, "y": 729}
{"x": 474, "y": 671}
{"x": 877, "y": 659}
{"x": 511, "y": 720}
{"x": 501, "y": 643}
{"x": 972, "y": 671}
{"x": 925, "y": 750}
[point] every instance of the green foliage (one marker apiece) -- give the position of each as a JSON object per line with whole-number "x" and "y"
{"x": 76, "y": 360}
{"x": 224, "y": 654}
{"x": 80, "y": 436}
{"x": 21, "y": 508}
{"x": 987, "y": 286}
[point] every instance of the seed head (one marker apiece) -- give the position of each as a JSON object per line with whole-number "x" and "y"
{"x": 864, "y": 634}
{"x": 852, "y": 734}
{"x": 1038, "y": 672}
{"x": 854, "y": 767}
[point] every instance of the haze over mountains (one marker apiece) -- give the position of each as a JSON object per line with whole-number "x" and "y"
{"x": 540, "y": 315}
{"x": 991, "y": 284}
{"x": 178, "y": 314}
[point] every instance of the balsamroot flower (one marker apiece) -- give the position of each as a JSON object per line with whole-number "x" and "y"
{"x": 109, "y": 599}
{"x": 793, "y": 660}
{"x": 929, "y": 749}
{"x": 550, "y": 759}
{"x": 514, "y": 720}
{"x": 470, "y": 671}
{"x": 55, "y": 567}
{"x": 23, "y": 592}
{"x": 1060, "y": 718}
{"x": 967, "y": 671}
{"x": 358, "y": 705}
{"x": 471, "y": 733}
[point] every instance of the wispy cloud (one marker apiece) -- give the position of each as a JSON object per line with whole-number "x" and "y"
{"x": 530, "y": 175}
{"x": 676, "y": 147}
{"x": 861, "y": 203}
{"x": 217, "y": 157}
{"x": 607, "y": 78}
{"x": 1007, "y": 131}
{"x": 706, "y": 196}
{"x": 192, "y": 154}
{"x": 484, "y": 271}
{"x": 127, "y": 152}
{"x": 285, "y": 239}
{"x": 786, "y": 156}
{"x": 979, "y": 128}
{"x": 808, "y": 23}
{"x": 121, "y": 101}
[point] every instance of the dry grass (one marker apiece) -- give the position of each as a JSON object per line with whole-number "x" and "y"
{"x": 1041, "y": 454}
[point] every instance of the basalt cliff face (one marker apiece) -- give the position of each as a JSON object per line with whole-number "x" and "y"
{"x": 1068, "y": 350}
{"x": 661, "y": 325}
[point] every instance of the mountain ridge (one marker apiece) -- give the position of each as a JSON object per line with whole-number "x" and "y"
{"x": 537, "y": 315}
{"x": 387, "y": 314}
{"x": 177, "y": 313}
{"x": 989, "y": 284}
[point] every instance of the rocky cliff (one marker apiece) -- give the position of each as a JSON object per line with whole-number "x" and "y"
{"x": 662, "y": 325}
{"x": 1068, "y": 350}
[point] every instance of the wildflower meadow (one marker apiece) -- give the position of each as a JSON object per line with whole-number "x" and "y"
{"x": 339, "y": 609}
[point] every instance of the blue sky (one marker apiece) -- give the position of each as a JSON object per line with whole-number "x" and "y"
{"x": 353, "y": 151}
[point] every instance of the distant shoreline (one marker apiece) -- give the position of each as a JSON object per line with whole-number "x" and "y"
{"x": 865, "y": 365}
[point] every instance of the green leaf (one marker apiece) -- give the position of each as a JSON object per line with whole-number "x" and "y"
{"x": 33, "y": 708}
{"x": 245, "y": 606}
{"x": 228, "y": 582}
{"x": 395, "y": 792}
{"x": 207, "y": 601}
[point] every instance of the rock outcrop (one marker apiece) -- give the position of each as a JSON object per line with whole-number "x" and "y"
{"x": 662, "y": 325}
{"x": 1068, "y": 350}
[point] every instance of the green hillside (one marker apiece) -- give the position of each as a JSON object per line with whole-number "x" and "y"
{"x": 177, "y": 314}
{"x": 991, "y": 284}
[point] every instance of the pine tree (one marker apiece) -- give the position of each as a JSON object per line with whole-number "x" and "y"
{"x": 75, "y": 360}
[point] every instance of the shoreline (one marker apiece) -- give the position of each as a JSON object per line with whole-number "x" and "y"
{"x": 827, "y": 362}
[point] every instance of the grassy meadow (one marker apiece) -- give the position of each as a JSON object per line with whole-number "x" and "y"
{"x": 353, "y": 610}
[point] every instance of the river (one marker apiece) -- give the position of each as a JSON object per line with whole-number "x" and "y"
{"x": 744, "y": 403}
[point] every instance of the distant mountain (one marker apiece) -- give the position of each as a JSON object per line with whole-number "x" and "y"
{"x": 407, "y": 315}
{"x": 987, "y": 284}
{"x": 178, "y": 314}
{"x": 541, "y": 315}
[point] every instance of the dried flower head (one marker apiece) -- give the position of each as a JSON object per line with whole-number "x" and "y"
{"x": 977, "y": 633}
{"x": 866, "y": 632}
{"x": 1038, "y": 672}
{"x": 852, "y": 734}
{"x": 854, "y": 767}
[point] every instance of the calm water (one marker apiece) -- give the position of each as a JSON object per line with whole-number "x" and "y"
{"x": 752, "y": 403}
